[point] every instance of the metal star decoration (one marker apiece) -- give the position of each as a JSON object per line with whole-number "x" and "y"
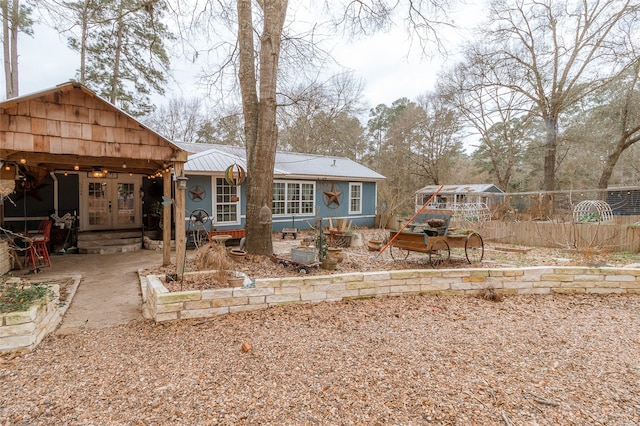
{"x": 196, "y": 193}
{"x": 333, "y": 196}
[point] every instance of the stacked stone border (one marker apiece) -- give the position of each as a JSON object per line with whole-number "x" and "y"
{"x": 162, "y": 305}
{"x": 23, "y": 331}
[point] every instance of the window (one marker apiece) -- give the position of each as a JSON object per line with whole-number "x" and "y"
{"x": 226, "y": 207}
{"x": 293, "y": 198}
{"x": 355, "y": 198}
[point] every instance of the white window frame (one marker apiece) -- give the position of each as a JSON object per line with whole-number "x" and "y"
{"x": 287, "y": 201}
{"x": 215, "y": 202}
{"x": 351, "y": 198}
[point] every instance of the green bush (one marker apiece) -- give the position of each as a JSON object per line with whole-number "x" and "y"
{"x": 15, "y": 297}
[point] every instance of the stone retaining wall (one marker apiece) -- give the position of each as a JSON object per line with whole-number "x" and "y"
{"x": 5, "y": 260}
{"x": 164, "y": 306}
{"x": 22, "y": 331}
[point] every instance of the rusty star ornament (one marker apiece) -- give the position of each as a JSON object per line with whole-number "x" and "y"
{"x": 196, "y": 193}
{"x": 333, "y": 196}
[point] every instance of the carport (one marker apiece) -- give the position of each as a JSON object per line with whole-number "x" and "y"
{"x": 68, "y": 130}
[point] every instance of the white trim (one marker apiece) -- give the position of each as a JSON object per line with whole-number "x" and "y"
{"x": 299, "y": 182}
{"x": 351, "y": 185}
{"x": 214, "y": 204}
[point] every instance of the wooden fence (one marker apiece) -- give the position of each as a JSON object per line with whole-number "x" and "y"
{"x": 615, "y": 237}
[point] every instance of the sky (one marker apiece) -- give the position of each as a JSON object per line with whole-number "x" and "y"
{"x": 387, "y": 66}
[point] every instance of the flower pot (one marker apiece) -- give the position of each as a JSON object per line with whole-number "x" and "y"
{"x": 335, "y": 253}
{"x": 329, "y": 264}
{"x": 235, "y": 280}
{"x": 237, "y": 255}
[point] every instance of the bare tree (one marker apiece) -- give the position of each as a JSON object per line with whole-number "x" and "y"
{"x": 438, "y": 143}
{"x": 15, "y": 19}
{"x": 624, "y": 117}
{"x": 550, "y": 49}
{"x": 497, "y": 115}
{"x": 180, "y": 120}
{"x": 259, "y": 74}
{"x": 321, "y": 118}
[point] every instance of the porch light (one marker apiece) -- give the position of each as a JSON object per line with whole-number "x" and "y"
{"x": 23, "y": 161}
{"x": 182, "y": 182}
{"x": 76, "y": 167}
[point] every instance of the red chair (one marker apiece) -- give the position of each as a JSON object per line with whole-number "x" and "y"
{"x": 38, "y": 251}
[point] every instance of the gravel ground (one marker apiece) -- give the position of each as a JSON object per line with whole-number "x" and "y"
{"x": 415, "y": 360}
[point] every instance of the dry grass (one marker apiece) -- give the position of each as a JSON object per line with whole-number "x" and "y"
{"x": 490, "y": 293}
{"x": 213, "y": 257}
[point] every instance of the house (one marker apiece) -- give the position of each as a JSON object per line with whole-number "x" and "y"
{"x": 305, "y": 187}
{"x": 67, "y": 153}
{"x": 468, "y": 201}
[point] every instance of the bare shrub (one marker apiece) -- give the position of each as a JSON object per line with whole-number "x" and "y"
{"x": 490, "y": 293}
{"x": 213, "y": 257}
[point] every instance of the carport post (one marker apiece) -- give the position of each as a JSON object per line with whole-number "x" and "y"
{"x": 166, "y": 219}
{"x": 181, "y": 236}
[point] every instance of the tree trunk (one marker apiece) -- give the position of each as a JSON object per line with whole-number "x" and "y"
{"x": 113, "y": 97}
{"x": 84, "y": 35}
{"x": 15, "y": 27}
{"x": 551, "y": 145}
{"x": 5, "y": 48}
{"x": 612, "y": 160}
{"x": 261, "y": 131}
{"x": 10, "y": 27}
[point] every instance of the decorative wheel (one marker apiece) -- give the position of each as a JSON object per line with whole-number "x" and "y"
{"x": 474, "y": 248}
{"x": 439, "y": 253}
{"x": 398, "y": 253}
{"x": 198, "y": 220}
{"x": 199, "y": 217}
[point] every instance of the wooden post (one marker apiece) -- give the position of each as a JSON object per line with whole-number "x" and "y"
{"x": 166, "y": 220}
{"x": 181, "y": 236}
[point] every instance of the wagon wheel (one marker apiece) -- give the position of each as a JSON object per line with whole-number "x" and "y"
{"x": 198, "y": 220}
{"x": 398, "y": 253}
{"x": 474, "y": 248}
{"x": 439, "y": 253}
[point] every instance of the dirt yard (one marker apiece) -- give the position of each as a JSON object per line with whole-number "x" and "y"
{"x": 356, "y": 259}
{"x": 417, "y": 360}
{"x": 545, "y": 360}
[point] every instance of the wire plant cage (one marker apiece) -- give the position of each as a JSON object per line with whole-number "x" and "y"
{"x": 590, "y": 211}
{"x": 473, "y": 212}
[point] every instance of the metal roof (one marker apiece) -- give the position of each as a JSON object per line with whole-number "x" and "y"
{"x": 460, "y": 189}
{"x": 288, "y": 164}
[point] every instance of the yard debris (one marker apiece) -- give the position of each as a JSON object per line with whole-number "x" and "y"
{"x": 394, "y": 360}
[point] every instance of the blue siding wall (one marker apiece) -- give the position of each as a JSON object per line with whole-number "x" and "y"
{"x": 206, "y": 204}
{"x": 304, "y": 222}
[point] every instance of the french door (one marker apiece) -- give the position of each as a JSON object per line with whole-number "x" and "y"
{"x": 110, "y": 203}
